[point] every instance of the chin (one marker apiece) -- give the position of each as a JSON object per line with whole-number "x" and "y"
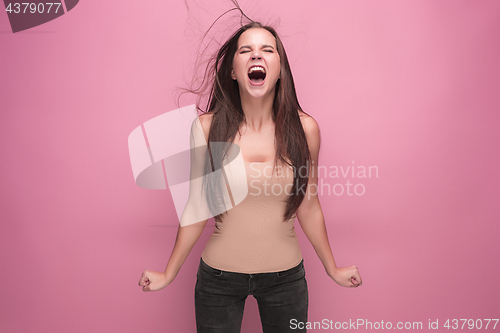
{"x": 260, "y": 95}
{"x": 260, "y": 92}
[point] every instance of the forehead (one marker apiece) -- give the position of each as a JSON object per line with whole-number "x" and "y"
{"x": 256, "y": 36}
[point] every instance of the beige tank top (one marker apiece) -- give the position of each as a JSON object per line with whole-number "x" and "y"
{"x": 252, "y": 237}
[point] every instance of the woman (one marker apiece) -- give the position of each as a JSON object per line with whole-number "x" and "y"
{"x": 254, "y": 248}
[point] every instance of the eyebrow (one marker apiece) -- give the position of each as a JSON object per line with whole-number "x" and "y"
{"x": 249, "y": 47}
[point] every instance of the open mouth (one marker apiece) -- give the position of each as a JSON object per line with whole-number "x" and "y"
{"x": 257, "y": 75}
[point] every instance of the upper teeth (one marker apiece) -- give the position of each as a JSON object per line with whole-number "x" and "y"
{"x": 256, "y": 68}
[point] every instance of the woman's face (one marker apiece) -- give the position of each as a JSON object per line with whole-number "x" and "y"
{"x": 256, "y": 63}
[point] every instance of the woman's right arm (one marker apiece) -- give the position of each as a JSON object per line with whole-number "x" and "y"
{"x": 187, "y": 236}
{"x": 194, "y": 217}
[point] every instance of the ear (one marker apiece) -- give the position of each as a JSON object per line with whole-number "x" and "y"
{"x": 232, "y": 74}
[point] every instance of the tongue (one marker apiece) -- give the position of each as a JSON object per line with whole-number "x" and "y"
{"x": 257, "y": 81}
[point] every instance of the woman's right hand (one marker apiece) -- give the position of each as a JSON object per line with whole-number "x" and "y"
{"x": 153, "y": 280}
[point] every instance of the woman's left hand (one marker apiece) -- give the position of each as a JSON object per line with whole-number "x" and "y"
{"x": 347, "y": 276}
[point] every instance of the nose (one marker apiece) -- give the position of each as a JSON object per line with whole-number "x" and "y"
{"x": 256, "y": 55}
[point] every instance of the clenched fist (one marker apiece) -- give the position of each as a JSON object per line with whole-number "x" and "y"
{"x": 347, "y": 276}
{"x": 152, "y": 280}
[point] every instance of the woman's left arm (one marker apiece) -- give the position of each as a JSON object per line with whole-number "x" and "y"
{"x": 311, "y": 217}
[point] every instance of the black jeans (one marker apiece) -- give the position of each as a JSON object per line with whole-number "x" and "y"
{"x": 220, "y": 299}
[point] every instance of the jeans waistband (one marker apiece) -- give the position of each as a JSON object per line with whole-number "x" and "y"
{"x": 286, "y": 271}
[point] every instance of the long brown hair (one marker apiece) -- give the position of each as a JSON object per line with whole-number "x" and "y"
{"x": 227, "y": 117}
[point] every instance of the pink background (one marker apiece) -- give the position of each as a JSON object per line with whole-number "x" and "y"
{"x": 409, "y": 86}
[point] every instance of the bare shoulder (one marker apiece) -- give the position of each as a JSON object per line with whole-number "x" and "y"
{"x": 206, "y": 121}
{"x": 310, "y": 125}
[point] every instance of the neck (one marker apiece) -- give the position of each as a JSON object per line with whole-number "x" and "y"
{"x": 258, "y": 111}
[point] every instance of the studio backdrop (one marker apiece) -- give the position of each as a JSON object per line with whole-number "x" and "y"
{"x": 406, "y": 94}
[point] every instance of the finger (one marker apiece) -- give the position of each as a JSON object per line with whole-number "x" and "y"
{"x": 144, "y": 282}
{"x": 358, "y": 278}
{"x": 355, "y": 282}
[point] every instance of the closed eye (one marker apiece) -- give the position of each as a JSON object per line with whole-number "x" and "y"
{"x": 270, "y": 51}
